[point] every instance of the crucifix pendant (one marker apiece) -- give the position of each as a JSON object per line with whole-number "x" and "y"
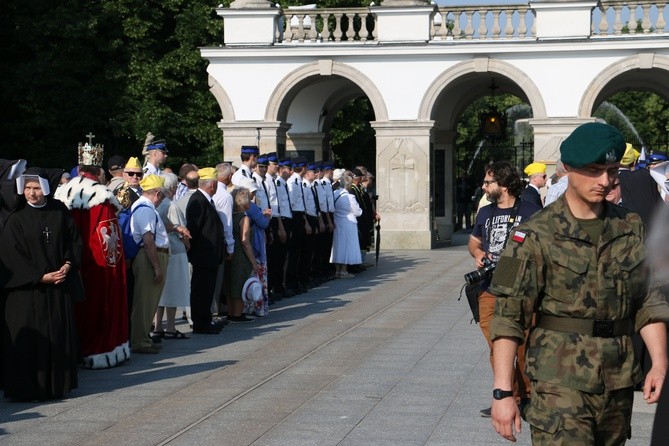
{"x": 47, "y": 234}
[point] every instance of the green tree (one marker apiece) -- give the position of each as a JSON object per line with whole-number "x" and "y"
{"x": 118, "y": 68}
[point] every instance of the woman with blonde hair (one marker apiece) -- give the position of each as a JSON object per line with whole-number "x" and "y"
{"x": 345, "y": 244}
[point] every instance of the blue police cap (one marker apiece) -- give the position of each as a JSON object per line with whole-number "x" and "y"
{"x": 250, "y": 150}
{"x": 262, "y": 160}
{"x": 272, "y": 158}
{"x": 286, "y": 162}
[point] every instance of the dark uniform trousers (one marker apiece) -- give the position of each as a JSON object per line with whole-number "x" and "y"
{"x": 276, "y": 255}
{"x": 203, "y": 284}
{"x": 295, "y": 247}
{"x": 309, "y": 251}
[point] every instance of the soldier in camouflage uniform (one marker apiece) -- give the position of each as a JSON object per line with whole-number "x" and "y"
{"x": 579, "y": 265}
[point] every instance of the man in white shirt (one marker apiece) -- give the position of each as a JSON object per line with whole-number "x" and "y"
{"x": 223, "y": 203}
{"x": 295, "y": 279}
{"x": 249, "y": 156}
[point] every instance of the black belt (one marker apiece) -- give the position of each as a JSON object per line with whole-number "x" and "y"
{"x": 600, "y": 328}
{"x": 163, "y": 250}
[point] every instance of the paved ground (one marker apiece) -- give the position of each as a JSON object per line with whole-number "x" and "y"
{"x": 387, "y": 358}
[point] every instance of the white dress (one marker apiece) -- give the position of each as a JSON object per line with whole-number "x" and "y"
{"x": 345, "y": 245}
{"x": 176, "y": 291}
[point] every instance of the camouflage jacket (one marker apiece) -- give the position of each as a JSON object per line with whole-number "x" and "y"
{"x": 551, "y": 267}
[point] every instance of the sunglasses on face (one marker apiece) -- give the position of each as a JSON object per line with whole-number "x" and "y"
{"x": 135, "y": 174}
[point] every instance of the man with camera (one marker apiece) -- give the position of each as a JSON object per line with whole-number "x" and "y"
{"x": 494, "y": 222}
{"x": 577, "y": 269}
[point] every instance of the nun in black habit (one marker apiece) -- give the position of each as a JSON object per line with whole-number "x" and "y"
{"x": 40, "y": 257}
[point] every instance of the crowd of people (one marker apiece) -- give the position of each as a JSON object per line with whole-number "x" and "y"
{"x": 93, "y": 271}
{"x": 573, "y": 310}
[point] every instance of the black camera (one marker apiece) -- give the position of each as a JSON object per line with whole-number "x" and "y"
{"x": 482, "y": 273}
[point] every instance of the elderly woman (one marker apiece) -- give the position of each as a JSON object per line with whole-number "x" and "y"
{"x": 176, "y": 291}
{"x": 259, "y": 223}
{"x": 243, "y": 262}
{"x": 345, "y": 244}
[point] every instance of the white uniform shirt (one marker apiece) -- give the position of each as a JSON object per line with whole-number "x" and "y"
{"x": 329, "y": 193}
{"x": 243, "y": 171}
{"x": 262, "y": 194}
{"x": 283, "y": 198}
{"x": 309, "y": 199}
{"x": 322, "y": 197}
{"x": 297, "y": 200}
{"x": 270, "y": 184}
{"x": 150, "y": 169}
{"x": 146, "y": 219}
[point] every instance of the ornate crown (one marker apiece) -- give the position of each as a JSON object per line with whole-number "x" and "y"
{"x": 91, "y": 155}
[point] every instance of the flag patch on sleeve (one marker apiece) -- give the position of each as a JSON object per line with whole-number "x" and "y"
{"x": 518, "y": 237}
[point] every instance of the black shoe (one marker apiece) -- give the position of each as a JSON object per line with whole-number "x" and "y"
{"x": 486, "y": 413}
{"x": 212, "y": 329}
{"x": 220, "y": 323}
{"x": 288, "y": 293}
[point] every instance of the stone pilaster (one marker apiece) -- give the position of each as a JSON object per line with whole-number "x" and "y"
{"x": 249, "y": 22}
{"x": 561, "y": 19}
{"x": 403, "y": 183}
{"x": 549, "y": 134}
{"x": 244, "y": 133}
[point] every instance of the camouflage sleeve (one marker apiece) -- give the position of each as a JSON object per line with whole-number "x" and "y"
{"x": 654, "y": 307}
{"x": 516, "y": 283}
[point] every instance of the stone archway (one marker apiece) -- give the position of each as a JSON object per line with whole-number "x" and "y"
{"x": 222, "y": 98}
{"x": 482, "y": 65}
{"x": 614, "y": 78}
{"x": 279, "y": 102}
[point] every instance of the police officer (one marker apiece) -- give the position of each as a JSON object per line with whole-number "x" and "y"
{"x": 296, "y": 277}
{"x": 315, "y": 220}
{"x": 285, "y": 213}
{"x": 579, "y": 265}
{"x": 249, "y": 157}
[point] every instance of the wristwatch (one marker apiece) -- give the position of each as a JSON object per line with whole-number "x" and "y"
{"x": 500, "y": 394}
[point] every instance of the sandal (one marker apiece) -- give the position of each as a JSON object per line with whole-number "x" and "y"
{"x": 157, "y": 334}
{"x": 176, "y": 335}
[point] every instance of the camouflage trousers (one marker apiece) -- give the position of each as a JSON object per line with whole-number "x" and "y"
{"x": 563, "y": 416}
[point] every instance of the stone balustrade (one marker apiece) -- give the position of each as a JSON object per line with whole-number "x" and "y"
{"x": 298, "y": 25}
{"x": 613, "y": 18}
{"x": 610, "y": 18}
{"x": 483, "y": 22}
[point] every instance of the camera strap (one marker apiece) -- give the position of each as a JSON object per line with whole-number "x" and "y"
{"x": 509, "y": 224}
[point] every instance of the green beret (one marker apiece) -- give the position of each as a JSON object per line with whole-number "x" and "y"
{"x": 592, "y": 143}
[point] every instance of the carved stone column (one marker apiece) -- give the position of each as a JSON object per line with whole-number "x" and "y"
{"x": 403, "y": 183}
{"x": 237, "y": 134}
{"x": 549, "y": 134}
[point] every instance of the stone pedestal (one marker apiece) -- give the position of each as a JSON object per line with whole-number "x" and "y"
{"x": 237, "y": 134}
{"x": 549, "y": 134}
{"x": 399, "y": 22}
{"x": 563, "y": 19}
{"x": 249, "y": 22}
{"x": 403, "y": 183}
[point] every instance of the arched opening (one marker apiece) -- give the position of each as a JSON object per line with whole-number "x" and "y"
{"x": 455, "y": 102}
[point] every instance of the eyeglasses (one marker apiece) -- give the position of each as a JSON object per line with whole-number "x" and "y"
{"x": 135, "y": 174}
{"x": 488, "y": 182}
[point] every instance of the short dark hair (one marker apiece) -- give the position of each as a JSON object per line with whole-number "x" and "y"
{"x": 185, "y": 168}
{"x": 506, "y": 176}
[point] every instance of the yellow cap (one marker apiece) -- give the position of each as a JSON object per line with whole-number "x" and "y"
{"x": 133, "y": 163}
{"x": 150, "y": 182}
{"x": 207, "y": 173}
{"x": 535, "y": 168}
{"x": 630, "y": 155}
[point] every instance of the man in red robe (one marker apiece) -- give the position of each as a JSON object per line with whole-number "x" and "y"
{"x": 102, "y": 318}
